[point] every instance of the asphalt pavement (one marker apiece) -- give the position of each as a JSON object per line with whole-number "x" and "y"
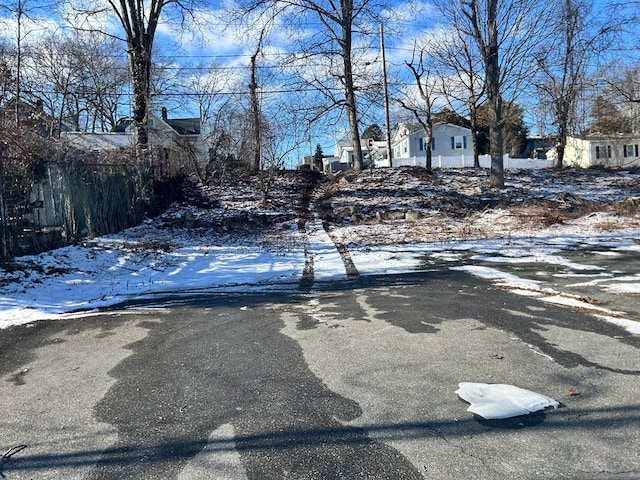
{"x": 353, "y": 379}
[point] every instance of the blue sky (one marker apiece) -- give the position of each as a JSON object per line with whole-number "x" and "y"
{"x": 213, "y": 40}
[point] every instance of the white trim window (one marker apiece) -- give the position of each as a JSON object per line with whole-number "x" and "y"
{"x": 459, "y": 142}
{"x": 631, "y": 151}
{"x": 603, "y": 151}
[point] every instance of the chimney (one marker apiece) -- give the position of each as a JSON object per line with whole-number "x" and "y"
{"x": 164, "y": 113}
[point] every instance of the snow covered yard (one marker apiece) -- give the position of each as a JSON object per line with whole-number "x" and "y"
{"x": 384, "y": 221}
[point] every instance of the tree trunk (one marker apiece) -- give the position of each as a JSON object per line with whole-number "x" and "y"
{"x": 140, "y": 62}
{"x": 496, "y": 178}
{"x": 4, "y": 249}
{"x": 349, "y": 89}
{"x": 563, "y": 133}
{"x": 255, "y": 114}
{"x": 474, "y": 133}
{"x": 428, "y": 135}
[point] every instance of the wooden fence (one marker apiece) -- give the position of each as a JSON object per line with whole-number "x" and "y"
{"x": 71, "y": 201}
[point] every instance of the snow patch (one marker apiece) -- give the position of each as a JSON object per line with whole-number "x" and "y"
{"x": 499, "y": 401}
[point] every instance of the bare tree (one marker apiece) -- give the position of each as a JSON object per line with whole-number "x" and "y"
{"x": 501, "y": 31}
{"x": 343, "y": 23}
{"x": 280, "y": 139}
{"x": 80, "y": 80}
{"x": 139, "y": 21}
{"x": 105, "y": 75}
{"x": 256, "y": 112}
{"x": 427, "y": 91}
{"x": 620, "y": 89}
{"x": 21, "y": 12}
{"x": 53, "y": 79}
{"x": 7, "y": 77}
{"x": 461, "y": 70}
{"x": 563, "y": 60}
{"x": 209, "y": 90}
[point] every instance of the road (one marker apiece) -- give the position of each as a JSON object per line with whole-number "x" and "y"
{"x": 351, "y": 380}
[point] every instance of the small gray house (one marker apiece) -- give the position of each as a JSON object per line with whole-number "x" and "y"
{"x": 447, "y": 140}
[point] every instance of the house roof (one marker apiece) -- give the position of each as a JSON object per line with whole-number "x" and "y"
{"x": 182, "y": 126}
{"x": 599, "y": 137}
{"x": 99, "y": 141}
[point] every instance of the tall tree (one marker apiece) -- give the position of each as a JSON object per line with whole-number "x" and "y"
{"x": 79, "y": 78}
{"x": 22, "y": 13}
{"x": 343, "y": 23}
{"x": 514, "y": 129}
{"x": 461, "y": 68}
{"x": 318, "y": 158}
{"x": 7, "y": 78}
{"x": 139, "y": 21}
{"x": 373, "y": 132}
{"x": 622, "y": 92}
{"x": 422, "y": 102}
{"x": 608, "y": 118}
{"x": 501, "y": 33}
{"x": 563, "y": 60}
{"x": 256, "y": 112}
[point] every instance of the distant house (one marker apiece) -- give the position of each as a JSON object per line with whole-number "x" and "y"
{"x": 170, "y": 138}
{"x": 376, "y": 153}
{"x": 373, "y": 152}
{"x": 33, "y": 117}
{"x": 537, "y": 146}
{"x": 447, "y": 140}
{"x": 610, "y": 151}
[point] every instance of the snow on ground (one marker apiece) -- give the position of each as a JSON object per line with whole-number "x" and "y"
{"x": 388, "y": 221}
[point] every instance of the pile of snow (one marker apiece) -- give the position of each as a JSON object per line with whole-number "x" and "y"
{"x": 499, "y": 401}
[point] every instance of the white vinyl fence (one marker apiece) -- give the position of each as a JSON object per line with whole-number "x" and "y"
{"x": 462, "y": 161}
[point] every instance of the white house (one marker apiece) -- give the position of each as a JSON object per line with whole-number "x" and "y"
{"x": 612, "y": 151}
{"x": 373, "y": 151}
{"x": 169, "y": 137}
{"x": 408, "y": 143}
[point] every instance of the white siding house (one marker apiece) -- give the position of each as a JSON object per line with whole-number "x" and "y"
{"x": 612, "y": 151}
{"x": 343, "y": 157}
{"x": 448, "y": 140}
{"x": 168, "y": 136}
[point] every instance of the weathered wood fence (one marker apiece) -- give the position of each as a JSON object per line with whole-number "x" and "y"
{"x": 69, "y": 202}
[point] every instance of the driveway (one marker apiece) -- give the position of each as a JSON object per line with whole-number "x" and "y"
{"x": 355, "y": 379}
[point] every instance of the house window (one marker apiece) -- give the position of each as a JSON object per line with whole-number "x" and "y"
{"x": 421, "y": 144}
{"x": 603, "y": 151}
{"x": 404, "y": 147}
{"x": 433, "y": 143}
{"x": 458, "y": 142}
{"x": 631, "y": 150}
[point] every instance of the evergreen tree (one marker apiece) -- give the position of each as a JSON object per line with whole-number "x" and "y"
{"x": 374, "y": 132}
{"x": 514, "y": 129}
{"x": 608, "y": 119}
{"x": 317, "y": 158}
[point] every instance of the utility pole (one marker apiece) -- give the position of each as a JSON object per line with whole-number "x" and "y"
{"x": 386, "y": 96}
